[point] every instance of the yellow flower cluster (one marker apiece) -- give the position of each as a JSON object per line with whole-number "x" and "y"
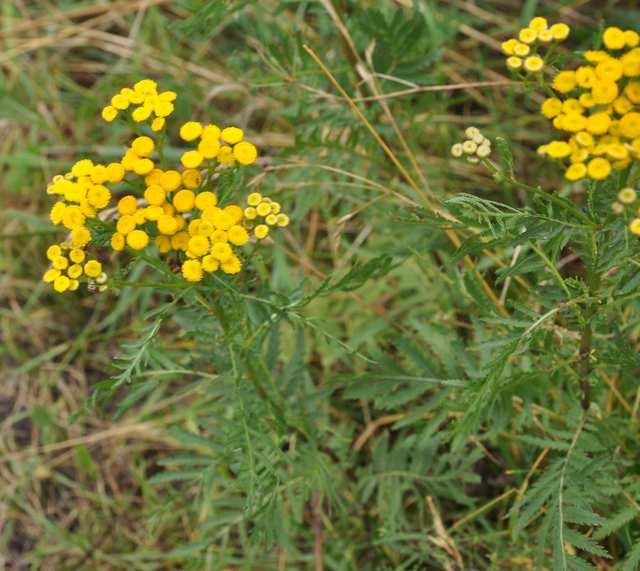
{"x": 523, "y": 51}
{"x": 145, "y": 103}
{"x": 170, "y": 210}
{"x": 597, "y": 107}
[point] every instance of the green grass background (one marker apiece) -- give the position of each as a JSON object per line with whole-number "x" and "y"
{"x": 85, "y": 491}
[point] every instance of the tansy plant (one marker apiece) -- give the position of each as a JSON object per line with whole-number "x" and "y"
{"x": 145, "y": 203}
{"x": 570, "y": 340}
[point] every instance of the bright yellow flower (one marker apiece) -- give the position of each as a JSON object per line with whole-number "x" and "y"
{"x": 599, "y": 168}
{"x": 109, "y": 113}
{"x": 198, "y": 245}
{"x": 170, "y": 180}
{"x": 190, "y": 131}
{"x": 137, "y": 239}
{"x": 560, "y": 31}
{"x": 604, "y": 92}
{"x": 232, "y": 135}
{"x": 93, "y": 268}
{"x": 575, "y": 172}
{"x": 261, "y": 231}
{"x": 61, "y": 284}
{"x": 231, "y": 266}
{"x": 184, "y": 200}
{"x": 514, "y": 62}
{"x": 191, "y": 159}
{"x": 117, "y": 241}
{"x": 143, "y": 146}
{"x": 527, "y": 35}
{"x": 246, "y": 153}
{"x": 238, "y": 235}
{"x": 538, "y": 24}
{"x": 192, "y": 270}
{"x": 614, "y": 38}
{"x": 210, "y": 264}
{"x": 635, "y": 226}
{"x": 565, "y": 81}
{"x": 206, "y": 199}
{"x": 191, "y": 178}
{"x": 558, "y": 149}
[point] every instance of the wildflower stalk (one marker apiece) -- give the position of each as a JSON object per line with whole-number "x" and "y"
{"x": 586, "y": 336}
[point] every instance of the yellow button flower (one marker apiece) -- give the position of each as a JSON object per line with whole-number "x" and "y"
{"x": 115, "y": 172}
{"x": 538, "y": 24}
{"x": 634, "y": 227}
{"x": 191, "y": 159}
{"x": 231, "y": 266}
{"x": 599, "y": 168}
{"x": 184, "y": 200}
{"x": 210, "y": 264}
{"x": 137, "y": 239}
{"x": 167, "y": 224}
{"x": 206, "y": 199}
{"x": 614, "y": 38}
{"x": 157, "y": 124}
{"x": 238, "y": 235}
{"x": 143, "y": 146}
{"x": 283, "y": 220}
{"x": 77, "y": 256}
{"x": 61, "y": 284}
{"x": 576, "y": 171}
{"x": 604, "y": 92}
{"x": 127, "y": 204}
{"x": 191, "y": 178}
{"x": 558, "y": 149}
{"x": 117, "y": 241}
{"x": 232, "y": 135}
{"x": 245, "y": 153}
{"x": 143, "y": 166}
{"x": 514, "y": 62}
{"x": 192, "y": 270}
{"x": 50, "y": 275}
{"x": 155, "y": 195}
{"x": 261, "y": 231}
{"x": 533, "y": 63}
{"x": 53, "y": 252}
{"x": 170, "y": 180}
{"x": 190, "y": 131}
{"x": 221, "y": 251}
{"x": 527, "y": 35}
{"x": 109, "y": 113}
{"x": 93, "y": 268}
{"x": 551, "y": 107}
{"x": 198, "y": 245}
{"x": 630, "y": 125}
{"x": 565, "y": 81}
{"x": 560, "y": 31}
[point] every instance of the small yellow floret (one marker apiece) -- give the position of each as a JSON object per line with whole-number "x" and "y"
{"x": 143, "y": 146}
{"x": 93, "y": 268}
{"x": 191, "y": 159}
{"x": 232, "y": 135}
{"x": 190, "y": 131}
{"x": 137, "y": 239}
{"x": 117, "y": 241}
{"x": 61, "y": 284}
{"x": 261, "y": 231}
{"x": 192, "y": 270}
{"x": 245, "y": 153}
{"x": 109, "y": 113}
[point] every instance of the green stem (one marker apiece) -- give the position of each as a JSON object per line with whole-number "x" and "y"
{"x": 586, "y": 336}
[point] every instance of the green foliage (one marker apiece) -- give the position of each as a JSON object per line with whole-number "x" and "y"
{"x": 356, "y": 390}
